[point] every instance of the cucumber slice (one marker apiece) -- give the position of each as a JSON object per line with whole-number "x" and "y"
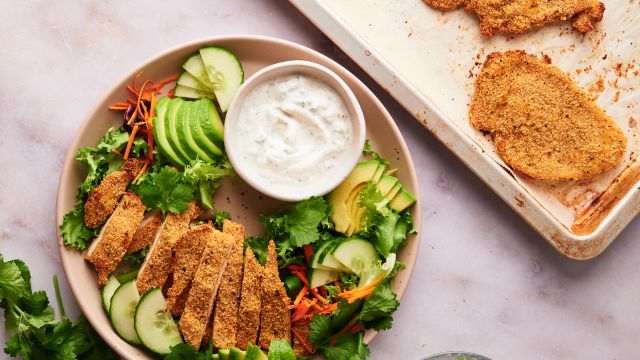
{"x": 155, "y": 327}
{"x": 187, "y": 80}
{"x": 225, "y": 73}
{"x": 224, "y": 354}
{"x": 190, "y": 93}
{"x": 108, "y": 290}
{"x": 160, "y": 133}
{"x": 122, "y": 310}
{"x": 195, "y": 67}
{"x": 322, "y": 258}
{"x": 128, "y": 275}
{"x": 356, "y": 254}
{"x": 319, "y": 277}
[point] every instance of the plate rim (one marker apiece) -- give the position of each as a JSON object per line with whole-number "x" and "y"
{"x": 69, "y": 160}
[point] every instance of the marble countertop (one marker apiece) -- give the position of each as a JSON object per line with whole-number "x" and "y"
{"x": 485, "y": 281}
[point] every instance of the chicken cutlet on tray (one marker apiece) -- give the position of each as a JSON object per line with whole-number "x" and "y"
{"x": 543, "y": 124}
{"x": 519, "y": 16}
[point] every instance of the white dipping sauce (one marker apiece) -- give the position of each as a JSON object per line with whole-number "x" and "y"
{"x": 293, "y": 128}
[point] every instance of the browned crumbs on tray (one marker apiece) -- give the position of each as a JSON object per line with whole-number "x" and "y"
{"x": 543, "y": 124}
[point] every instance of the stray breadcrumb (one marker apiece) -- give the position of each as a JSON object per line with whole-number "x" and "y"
{"x": 250, "y": 300}
{"x": 204, "y": 288}
{"x": 111, "y": 244}
{"x": 544, "y": 125}
{"x": 275, "y": 316}
{"x": 157, "y": 264}
{"x": 103, "y": 199}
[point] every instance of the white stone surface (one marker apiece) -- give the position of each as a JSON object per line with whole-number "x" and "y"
{"x": 484, "y": 282}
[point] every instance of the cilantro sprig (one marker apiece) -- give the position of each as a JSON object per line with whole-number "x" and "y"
{"x": 33, "y": 331}
{"x": 166, "y": 190}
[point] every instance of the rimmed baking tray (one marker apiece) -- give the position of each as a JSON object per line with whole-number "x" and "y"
{"x": 428, "y": 60}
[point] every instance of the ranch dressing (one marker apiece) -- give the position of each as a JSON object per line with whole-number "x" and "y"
{"x": 293, "y": 128}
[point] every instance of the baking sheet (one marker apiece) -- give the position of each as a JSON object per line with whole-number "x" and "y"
{"x": 413, "y": 49}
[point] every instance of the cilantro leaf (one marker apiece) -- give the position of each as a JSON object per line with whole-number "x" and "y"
{"x": 12, "y": 285}
{"x": 347, "y": 347}
{"x": 303, "y": 220}
{"x": 368, "y": 150}
{"x": 384, "y": 233}
{"x": 383, "y": 323}
{"x": 293, "y": 285}
{"x": 280, "y": 350}
{"x": 73, "y": 231}
{"x": 321, "y": 329}
{"x": 185, "y": 352}
{"x": 381, "y": 303}
{"x": 167, "y": 191}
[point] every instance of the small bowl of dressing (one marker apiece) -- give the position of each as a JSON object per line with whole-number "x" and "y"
{"x": 294, "y": 130}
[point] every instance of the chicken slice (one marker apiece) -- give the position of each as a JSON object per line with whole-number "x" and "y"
{"x": 301, "y": 342}
{"x": 225, "y": 323}
{"x": 106, "y": 252}
{"x": 275, "y": 323}
{"x": 146, "y": 231}
{"x": 187, "y": 254}
{"x": 103, "y": 199}
{"x": 157, "y": 264}
{"x": 204, "y": 288}
{"x": 250, "y": 300}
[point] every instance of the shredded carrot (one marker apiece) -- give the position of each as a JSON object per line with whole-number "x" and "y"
{"x": 343, "y": 331}
{"x": 144, "y": 168}
{"x": 355, "y": 328}
{"x": 302, "y": 341}
{"x": 314, "y": 291}
{"x": 152, "y": 111}
{"x": 295, "y": 267}
{"x": 301, "y": 294}
{"x": 308, "y": 252}
{"x": 115, "y": 151}
{"x": 323, "y": 291}
{"x": 300, "y": 312}
{"x": 302, "y": 277}
{"x": 371, "y": 285}
{"x": 130, "y": 143}
{"x": 160, "y": 84}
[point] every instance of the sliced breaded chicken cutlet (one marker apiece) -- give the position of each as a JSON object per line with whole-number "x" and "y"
{"x": 146, "y": 231}
{"x": 103, "y": 199}
{"x": 157, "y": 264}
{"x": 543, "y": 124}
{"x": 275, "y": 317}
{"x": 108, "y": 249}
{"x": 225, "y": 322}
{"x": 519, "y": 16}
{"x": 187, "y": 255}
{"x": 250, "y": 300}
{"x": 204, "y": 288}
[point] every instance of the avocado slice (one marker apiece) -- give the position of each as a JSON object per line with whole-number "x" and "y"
{"x": 176, "y": 108}
{"x": 185, "y": 117}
{"x": 254, "y": 353}
{"x": 402, "y": 200}
{"x": 386, "y": 183}
{"x": 237, "y": 354}
{"x": 353, "y": 201}
{"x": 160, "y": 134}
{"x": 212, "y": 127}
{"x": 196, "y": 124}
{"x": 395, "y": 190}
{"x": 362, "y": 173}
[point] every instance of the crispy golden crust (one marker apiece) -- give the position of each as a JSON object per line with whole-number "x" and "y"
{"x": 157, "y": 264}
{"x": 187, "y": 254}
{"x": 103, "y": 199}
{"x": 204, "y": 288}
{"x": 146, "y": 232}
{"x": 114, "y": 238}
{"x": 519, "y": 16}
{"x": 225, "y": 323}
{"x": 275, "y": 316}
{"x": 301, "y": 328}
{"x": 250, "y": 300}
{"x": 544, "y": 125}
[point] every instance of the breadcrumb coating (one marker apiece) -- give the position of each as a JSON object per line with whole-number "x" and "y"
{"x": 111, "y": 244}
{"x": 157, "y": 264}
{"x": 204, "y": 288}
{"x": 519, "y": 16}
{"x": 146, "y": 232}
{"x": 544, "y": 125}
{"x": 302, "y": 328}
{"x": 250, "y": 300}
{"x": 225, "y": 325}
{"x": 104, "y": 198}
{"x": 275, "y": 316}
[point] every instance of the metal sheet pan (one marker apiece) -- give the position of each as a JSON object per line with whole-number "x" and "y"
{"x": 428, "y": 61}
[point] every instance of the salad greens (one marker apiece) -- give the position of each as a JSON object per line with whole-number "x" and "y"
{"x": 33, "y": 331}
{"x": 166, "y": 190}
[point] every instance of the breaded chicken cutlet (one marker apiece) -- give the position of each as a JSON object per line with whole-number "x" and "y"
{"x": 146, "y": 231}
{"x": 187, "y": 255}
{"x": 543, "y": 124}
{"x": 225, "y": 325}
{"x": 104, "y": 198}
{"x": 275, "y": 318}
{"x": 204, "y": 288}
{"x": 250, "y": 300}
{"x": 519, "y": 16}
{"x": 157, "y": 264}
{"x": 106, "y": 252}
{"x": 301, "y": 329}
